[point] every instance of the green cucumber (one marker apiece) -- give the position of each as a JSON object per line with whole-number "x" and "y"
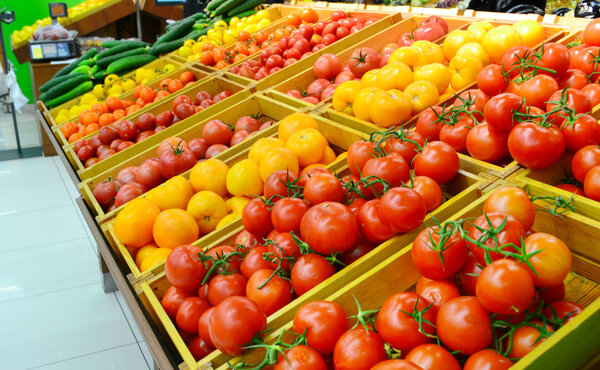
{"x": 111, "y": 43}
{"x": 64, "y": 87}
{"x": 243, "y": 7}
{"x": 45, "y": 87}
{"x": 243, "y": 14}
{"x": 177, "y": 32}
{"x": 124, "y": 46}
{"x": 127, "y": 64}
{"x": 68, "y": 68}
{"x": 81, "y": 69}
{"x": 100, "y": 75}
{"x": 227, "y": 6}
{"x": 214, "y": 4}
{"x": 104, "y": 62}
{"x": 77, "y": 91}
{"x": 166, "y": 47}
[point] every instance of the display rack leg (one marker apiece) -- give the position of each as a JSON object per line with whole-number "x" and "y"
{"x": 108, "y": 283}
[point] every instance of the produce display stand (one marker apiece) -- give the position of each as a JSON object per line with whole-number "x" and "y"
{"x": 389, "y": 266}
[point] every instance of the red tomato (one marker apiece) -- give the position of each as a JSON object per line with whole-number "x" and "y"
{"x": 287, "y": 213}
{"x": 437, "y": 20}
{"x": 500, "y": 111}
{"x": 429, "y": 190}
{"x": 276, "y": 184}
{"x": 538, "y": 90}
{"x": 256, "y": 217}
{"x": 574, "y": 99}
{"x": 146, "y": 122}
{"x": 359, "y": 153}
{"x": 127, "y": 175}
{"x": 172, "y": 299}
{"x": 439, "y": 254}
{"x": 315, "y": 89}
{"x": 439, "y": 292}
{"x": 372, "y": 226}
{"x": 326, "y": 322}
{"x": 308, "y": 271}
{"x": 574, "y": 78}
{"x": 432, "y": 356}
{"x": 359, "y": 349}
{"x": 428, "y": 124}
{"x": 487, "y": 144}
{"x": 555, "y": 57}
{"x": 322, "y": 225}
{"x": 106, "y": 191}
{"x": 199, "y": 348}
{"x": 513, "y": 201}
{"x": 148, "y": 174}
{"x": 438, "y": 161}
{"x": 469, "y": 274}
{"x": 85, "y": 152}
{"x": 181, "y": 99}
{"x": 127, "y": 130}
{"x": 464, "y": 325}
{"x": 363, "y": 60}
{"x": 591, "y": 184}
{"x": 591, "y": 34}
{"x": 254, "y": 261}
{"x": 300, "y": 357}
{"x": 584, "y": 160}
{"x": 189, "y": 313}
{"x": 216, "y": 132}
{"x": 404, "y": 209}
{"x": 552, "y": 263}
{"x": 391, "y": 168}
{"x": 511, "y": 61}
{"x": 327, "y": 66}
{"x": 273, "y": 295}
{"x": 429, "y": 31}
{"x": 581, "y": 131}
{"x": 198, "y": 146}
{"x": 405, "y": 148}
{"x": 534, "y": 146}
{"x": 491, "y": 81}
{"x": 396, "y": 364}
{"x": 223, "y": 286}
{"x": 526, "y": 338}
{"x": 562, "y": 309}
{"x": 455, "y": 134}
{"x": 128, "y": 192}
{"x": 233, "y": 324}
{"x": 488, "y": 225}
{"x": 184, "y": 110}
{"x": 184, "y": 269}
{"x": 323, "y": 187}
{"x": 592, "y": 91}
{"x": 505, "y": 287}
{"x": 487, "y": 359}
{"x": 175, "y": 161}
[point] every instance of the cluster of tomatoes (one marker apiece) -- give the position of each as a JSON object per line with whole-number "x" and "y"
{"x": 329, "y": 72}
{"x": 490, "y": 293}
{"x": 122, "y": 134}
{"x": 307, "y": 39}
{"x": 114, "y": 109}
{"x": 183, "y": 155}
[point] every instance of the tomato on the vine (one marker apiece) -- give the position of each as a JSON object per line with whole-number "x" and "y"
{"x": 536, "y": 146}
{"x": 464, "y": 325}
{"x": 439, "y": 254}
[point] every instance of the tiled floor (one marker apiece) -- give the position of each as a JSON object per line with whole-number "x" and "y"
{"x": 53, "y": 311}
{"x": 27, "y": 124}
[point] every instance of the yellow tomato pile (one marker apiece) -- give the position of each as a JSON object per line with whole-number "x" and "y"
{"x": 180, "y": 211}
{"x": 223, "y": 34}
{"x": 416, "y": 76}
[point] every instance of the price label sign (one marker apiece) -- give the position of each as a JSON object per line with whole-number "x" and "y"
{"x": 58, "y": 10}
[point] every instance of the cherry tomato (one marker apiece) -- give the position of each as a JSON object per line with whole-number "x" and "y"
{"x": 439, "y": 254}
{"x": 526, "y": 338}
{"x": 464, "y": 325}
{"x": 553, "y": 261}
{"x": 505, "y": 287}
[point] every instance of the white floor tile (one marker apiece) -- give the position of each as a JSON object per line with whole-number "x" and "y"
{"x": 70, "y": 186}
{"x": 34, "y": 228}
{"x": 50, "y": 268}
{"x": 34, "y": 196}
{"x": 126, "y": 358}
{"x": 129, "y": 316}
{"x": 26, "y": 171}
{"x": 56, "y": 327}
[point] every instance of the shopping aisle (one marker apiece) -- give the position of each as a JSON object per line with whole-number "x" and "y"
{"x": 54, "y": 313}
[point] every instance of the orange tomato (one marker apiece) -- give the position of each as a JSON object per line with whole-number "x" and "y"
{"x": 293, "y": 20}
{"x": 187, "y": 77}
{"x": 133, "y": 225}
{"x": 143, "y": 252}
{"x": 173, "y": 193}
{"x": 137, "y": 91}
{"x": 277, "y": 159}
{"x": 162, "y": 94}
{"x": 294, "y": 123}
{"x": 82, "y": 114}
{"x": 219, "y": 54}
{"x": 90, "y": 117}
{"x": 141, "y": 102}
{"x": 329, "y": 156}
{"x": 91, "y": 128}
{"x": 74, "y": 137}
{"x": 243, "y": 36}
{"x": 132, "y": 109}
{"x": 164, "y": 84}
{"x": 207, "y": 57}
{"x": 154, "y": 258}
{"x": 308, "y": 146}
{"x": 239, "y": 57}
{"x": 147, "y": 94}
{"x": 106, "y": 119}
{"x": 175, "y": 85}
{"x": 261, "y": 36}
{"x": 221, "y": 64}
{"x": 68, "y": 129}
{"x": 113, "y": 103}
{"x": 100, "y": 108}
{"x": 118, "y": 114}
{"x": 174, "y": 227}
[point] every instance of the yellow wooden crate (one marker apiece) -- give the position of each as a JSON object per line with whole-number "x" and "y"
{"x": 569, "y": 347}
{"x": 156, "y": 64}
{"x": 212, "y": 85}
{"x": 401, "y": 24}
{"x": 382, "y": 21}
{"x": 268, "y": 109}
{"x": 462, "y": 191}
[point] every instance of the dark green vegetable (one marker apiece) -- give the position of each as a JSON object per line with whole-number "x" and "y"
{"x": 68, "y": 68}
{"x": 125, "y": 46}
{"x": 45, "y": 87}
{"x": 79, "y": 90}
{"x": 100, "y": 75}
{"x": 104, "y": 62}
{"x": 246, "y": 13}
{"x": 244, "y": 6}
{"x": 64, "y": 87}
{"x": 127, "y": 64}
{"x": 177, "y": 32}
{"x": 227, "y": 6}
{"x": 111, "y": 43}
{"x": 166, "y": 47}
{"x": 214, "y": 4}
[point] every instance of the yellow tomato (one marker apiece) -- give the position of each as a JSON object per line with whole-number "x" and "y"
{"x": 128, "y": 84}
{"x": 110, "y": 79}
{"x": 394, "y": 76}
{"x": 208, "y": 208}
{"x": 499, "y": 40}
{"x": 210, "y": 175}
{"x": 406, "y": 55}
{"x": 531, "y": 32}
{"x": 389, "y": 108}
{"x": 243, "y": 178}
{"x": 464, "y": 71}
{"x": 174, "y": 227}
{"x": 277, "y": 159}
{"x": 476, "y": 50}
{"x": 436, "y": 73}
{"x": 233, "y": 22}
{"x": 262, "y": 146}
{"x": 220, "y": 24}
{"x": 344, "y": 95}
{"x": 262, "y": 23}
{"x": 262, "y": 14}
{"x": 308, "y": 146}
{"x": 360, "y": 106}
{"x": 479, "y": 29}
{"x": 369, "y": 79}
{"x": 154, "y": 258}
{"x": 429, "y": 52}
{"x": 133, "y": 225}
{"x": 189, "y": 43}
{"x": 74, "y": 110}
{"x": 454, "y": 40}
{"x": 99, "y": 91}
{"x": 115, "y": 90}
{"x": 227, "y": 219}
{"x": 294, "y": 123}
{"x": 185, "y": 51}
{"x": 173, "y": 193}
{"x": 89, "y": 98}
{"x": 237, "y": 204}
{"x": 230, "y": 36}
{"x": 422, "y": 95}
{"x": 143, "y": 253}
{"x": 329, "y": 156}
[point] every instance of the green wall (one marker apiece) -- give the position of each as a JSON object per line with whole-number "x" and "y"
{"x": 26, "y": 13}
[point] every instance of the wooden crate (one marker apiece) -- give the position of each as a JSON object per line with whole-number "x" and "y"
{"x": 406, "y": 23}
{"x": 382, "y": 21}
{"x": 463, "y": 190}
{"x": 212, "y": 85}
{"x": 569, "y": 347}
{"x": 156, "y": 64}
{"x": 267, "y": 108}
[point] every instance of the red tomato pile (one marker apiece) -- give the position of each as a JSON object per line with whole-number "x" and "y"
{"x": 122, "y": 134}
{"x": 484, "y": 303}
{"x": 291, "y": 241}
{"x": 329, "y": 72}
{"x": 304, "y": 41}
{"x": 134, "y": 181}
